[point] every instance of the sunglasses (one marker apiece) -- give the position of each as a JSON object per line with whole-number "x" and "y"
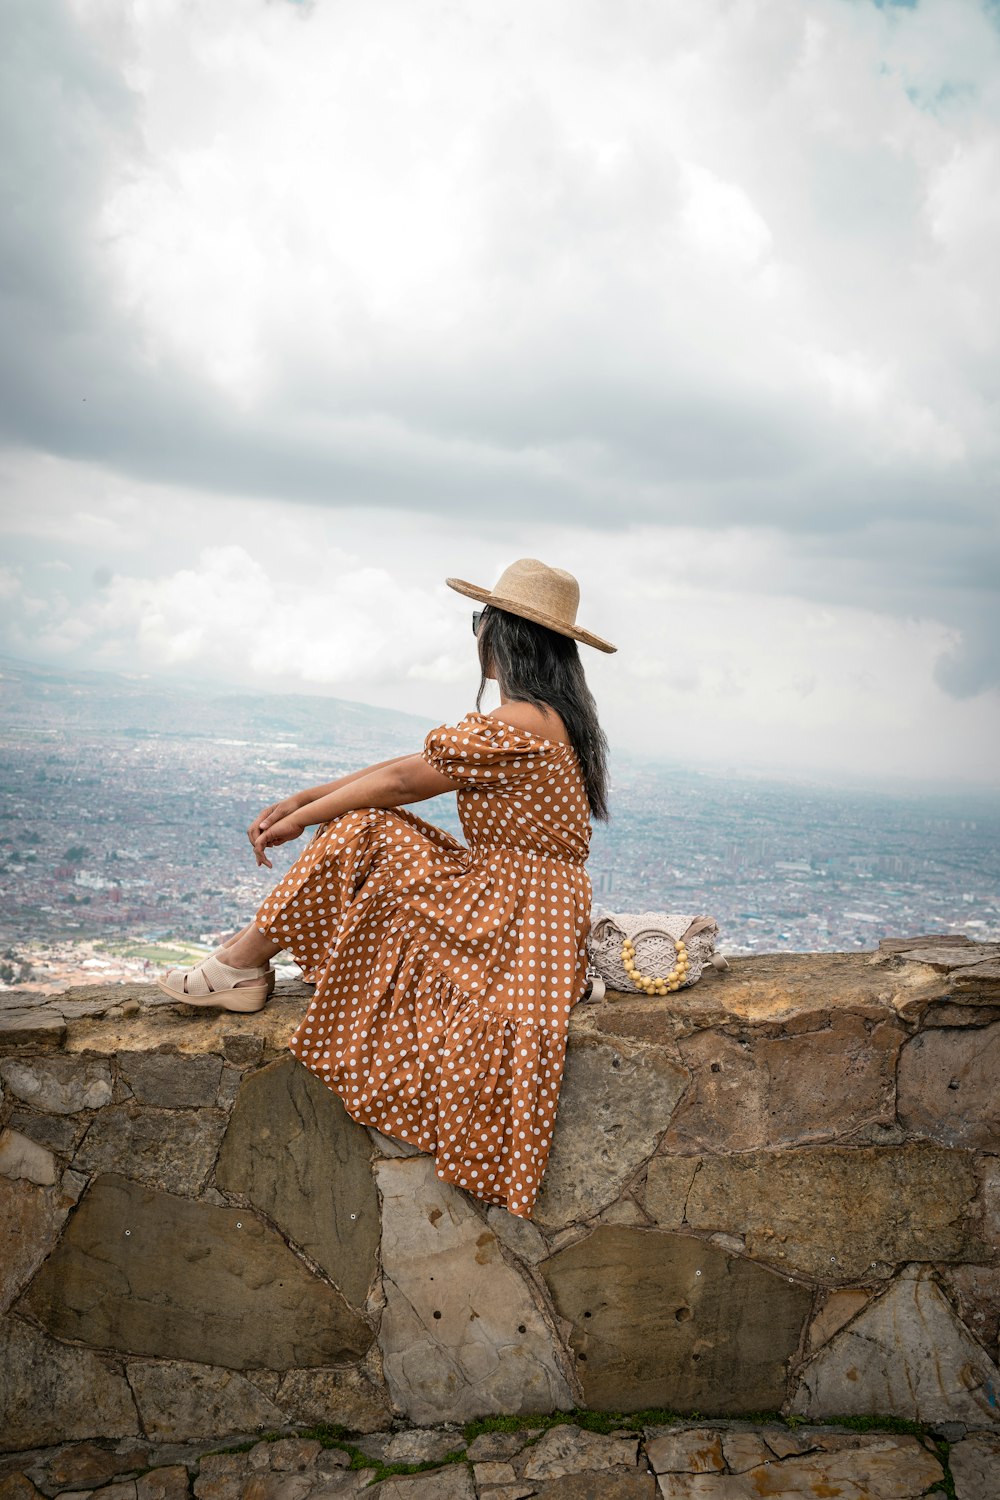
{"x": 477, "y": 615}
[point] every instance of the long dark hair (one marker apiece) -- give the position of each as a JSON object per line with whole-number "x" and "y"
{"x": 533, "y": 664}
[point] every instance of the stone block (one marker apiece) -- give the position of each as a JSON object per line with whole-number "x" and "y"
{"x": 618, "y": 1486}
{"x": 31, "y": 1028}
{"x": 58, "y": 1133}
{"x": 828, "y": 1212}
{"x": 294, "y": 1455}
{"x": 665, "y": 1320}
{"x": 173, "y": 1080}
{"x": 944, "y": 957}
{"x": 182, "y": 1401}
{"x": 489, "y": 1446}
{"x": 294, "y": 1151}
{"x": 30, "y": 1220}
{"x": 170, "y": 1149}
{"x": 222, "y": 1476}
{"x": 948, "y": 1086}
{"x": 572, "y": 1450}
{"x": 241, "y": 1050}
{"x": 153, "y": 1274}
{"x": 18, "y": 1486}
{"x": 21, "y": 1157}
{"x": 461, "y": 1336}
{"x": 170, "y": 1482}
{"x": 816, "y": 1085}
{"x": 422, "y": 1446}
{"x": 974, "y": 1291}
{"x": 51, "y": 1393}
{"x": 344, "y": 1397}
{"x": 614, "y": 1105}
{"x": 975, "y": 1466}
{"x": 451, "y": 1483}
{"x": 907, "y": 1354}
{"x": 519, "y": 1235}
{"x": 88, "y": 1465}
{"x": 686, "y": 1450}
{"x": 838, "y": 1308}
{"x": 745, "y": 1450}
{"x": 60, "y": 1085}
{"x": 979, "y": 981}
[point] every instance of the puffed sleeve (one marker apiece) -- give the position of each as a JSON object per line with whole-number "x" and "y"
{"x": 479, "y": 751}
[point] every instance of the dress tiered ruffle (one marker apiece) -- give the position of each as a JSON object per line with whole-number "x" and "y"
{"x": 445, "y": 973}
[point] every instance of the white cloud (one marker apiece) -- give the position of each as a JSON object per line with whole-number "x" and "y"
{"x": 317, "y": 304}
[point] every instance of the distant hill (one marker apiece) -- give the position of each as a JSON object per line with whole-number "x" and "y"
{"x": 34, "y": 698}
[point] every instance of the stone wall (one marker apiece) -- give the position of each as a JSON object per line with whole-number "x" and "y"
{"x": 777, "y": 1191}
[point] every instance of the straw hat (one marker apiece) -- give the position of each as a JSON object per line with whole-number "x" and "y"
{"x": 549, "y": 596}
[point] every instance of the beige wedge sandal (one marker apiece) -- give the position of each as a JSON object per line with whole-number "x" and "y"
{"x": 213, "y": 983}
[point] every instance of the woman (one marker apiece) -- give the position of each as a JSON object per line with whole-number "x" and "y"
{"x": 445, "y": 974}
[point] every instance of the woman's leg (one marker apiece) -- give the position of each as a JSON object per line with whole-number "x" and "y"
{"x": 249, "y": 949}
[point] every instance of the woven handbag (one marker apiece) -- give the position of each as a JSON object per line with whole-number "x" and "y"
{"x": 650, "y": 952}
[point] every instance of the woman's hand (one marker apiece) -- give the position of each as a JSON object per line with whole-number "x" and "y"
{"x": 281, "y": 832}
{"x": 273, "y": 814}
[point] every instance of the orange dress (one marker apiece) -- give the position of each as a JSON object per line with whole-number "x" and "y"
{"x": 445, "y": 974}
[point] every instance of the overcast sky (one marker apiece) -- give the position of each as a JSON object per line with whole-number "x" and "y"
{"x": 307, "y": 306}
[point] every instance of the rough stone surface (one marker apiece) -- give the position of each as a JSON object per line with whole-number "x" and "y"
{"x": 974, "y": 1291}
{"x": 839, "y": 1308}
{"x": 820, "y": 1084}
{"x": 975, "y": 1466}
{"x": 50, "y": 1392}
{"x": 169, "y": 1149}
{"x": 830, "y": 1211}
{"x": 181, "y": 1401}
{"x": 422, "y": 1446}
{"x": 948, "y": 1086}
{"x": 83, "y": 1465}
{"x": 150, "y": 1273}
{"x": 30, "y": 1220}
{"x": 344, "y": 1396}
{"x": 619, "y": 1486}
{"x": 169, "y": 1483}
{"x": 451, "y": 1483}
{"x": 460, "y": 1334}
{"x": 294, "y": 1151}
{"x": 946, "y": 956}
{"x": 519, "y": 1235}
{"x": 573, "y": 1450}
{"x": 908, "y": 1354}
{"x": 662, "y": 1320}
{"x": 979, "y": 979}
{"x": 58, "y": 1133}
{"x": 613, "y": 1106}
{"x": 31, "y": 1028}
{"x": 61, "y": 1085}
{"x": 172, "y": 1080}
{"x": 489, "y": 1446}
{"x": 22, "y": 1157}
{"x": 18, "y": 1487}
{"x": 687, "y": 1450}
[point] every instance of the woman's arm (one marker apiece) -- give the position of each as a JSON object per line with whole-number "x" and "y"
{"x": 410, "y": 778}
{"x": 275, "y": 811}
{"x": 312, "y": 793}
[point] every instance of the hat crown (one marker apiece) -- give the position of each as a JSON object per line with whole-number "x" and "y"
{"x": 530, "y": 582}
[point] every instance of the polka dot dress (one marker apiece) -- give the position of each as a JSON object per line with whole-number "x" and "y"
{"x": 445, "y": 974}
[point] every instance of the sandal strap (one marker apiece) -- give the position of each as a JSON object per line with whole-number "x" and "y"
{"x": 212, "y": 975}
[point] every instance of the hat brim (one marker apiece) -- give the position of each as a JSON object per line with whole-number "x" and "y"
{"x": 515, "y": 607}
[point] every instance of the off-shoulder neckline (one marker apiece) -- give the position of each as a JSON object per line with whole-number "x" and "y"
{"x": 525, "y": 734}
